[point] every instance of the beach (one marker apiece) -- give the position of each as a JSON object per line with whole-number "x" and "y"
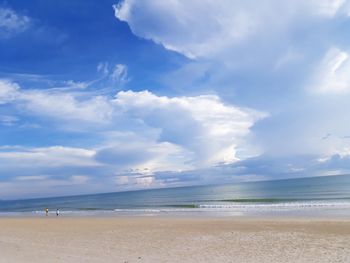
{"x": 173, "y": 239}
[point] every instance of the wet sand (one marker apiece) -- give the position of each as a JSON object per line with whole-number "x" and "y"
{"x": 175, "y": 239}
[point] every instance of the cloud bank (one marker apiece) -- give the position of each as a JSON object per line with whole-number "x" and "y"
{"x": 245, "y": 91}
{"x": 139, "y": 132}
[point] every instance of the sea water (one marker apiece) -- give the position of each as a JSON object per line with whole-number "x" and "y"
{"x": 314, "y": 196}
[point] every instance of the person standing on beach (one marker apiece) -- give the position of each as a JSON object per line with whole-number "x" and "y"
{"x": 47, "y": 211}
{"x": 57, "y": 212}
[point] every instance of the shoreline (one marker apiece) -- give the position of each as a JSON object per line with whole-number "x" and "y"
{"x": 303, "y": 215}
{"x": 180, "y": 218}
{"x": 174, "y": 239}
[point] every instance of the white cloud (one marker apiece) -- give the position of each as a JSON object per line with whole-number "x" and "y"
{"x": 54, "y": 156}
{"x": 8, "y": 91}
{"x": 8, "y": 120}
{"x": 328, "y": 7}
{"x": 204, "y": 28}
{"x": 142, "y": 154}
{"x": 46, "y": 186}
{"x": 206, "y": 128}
{"x": 332, "y": 75}
{"x": 31, "y": 178}
{"x": 135, "y": 181}
{"x": 103, "y": 68}
{"x": 289, "y": 166}
{"x": 56, "y": 104}
{"x": 145, "y": 181}
{"x": 33, "y": 172}
{"x": 70, "y": 180}
{"x": 76, "y": 84}
{"x": 66, "y": 106}
{"x": 120, "y": 74}
{"x": 12, "y": 23}
{"x": 187, "y": 27}
{"x": 259, "y": 53}
{"x": 116, "y": 75}
{"x": 142, "y": 130}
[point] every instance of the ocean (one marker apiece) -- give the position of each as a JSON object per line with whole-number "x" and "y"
{"x": 314, "y": 196}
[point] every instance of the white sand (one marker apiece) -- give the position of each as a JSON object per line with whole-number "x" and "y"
{"x": 140, "y": 239}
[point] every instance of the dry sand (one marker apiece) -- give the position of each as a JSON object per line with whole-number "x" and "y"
{"x": 142, "y": 239}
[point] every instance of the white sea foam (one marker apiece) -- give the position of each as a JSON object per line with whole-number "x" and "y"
{"x": 247, "y": 208}
{"x": 276, "y": 206}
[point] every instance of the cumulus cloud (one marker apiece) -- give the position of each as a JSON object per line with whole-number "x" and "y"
{"x": 205, "y": 129}
{"x": 248, "y": 52}
{"x": 143, "y": 133}
{"x": 12, "y": 23}
{"x": 206, "y": 28}
{"x": 142, "y": 154}
{"x": 180, "y": 132}
{"x": 203, "y": 125}
{"x": 184, "y": 26}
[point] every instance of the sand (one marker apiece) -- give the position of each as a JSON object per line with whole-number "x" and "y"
{"x": 155, "y": 239}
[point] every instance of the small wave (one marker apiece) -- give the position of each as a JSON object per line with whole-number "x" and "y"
{"x": 242, "y": 207}
{"x": 275, "y": 200}
{"x": 258, "y": 200}
{"x": 140, "y": 210}
{"x": 184, "y": 206}
{"x": 278, "y": 205}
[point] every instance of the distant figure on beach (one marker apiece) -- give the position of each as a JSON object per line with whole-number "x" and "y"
{"x": 57, "y": 212}
{"x": 47, "y": 211}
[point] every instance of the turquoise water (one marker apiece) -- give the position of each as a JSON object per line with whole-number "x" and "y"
{"x": 306, "y": 196}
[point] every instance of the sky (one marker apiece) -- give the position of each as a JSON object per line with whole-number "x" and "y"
{"x": 103, "y": 96}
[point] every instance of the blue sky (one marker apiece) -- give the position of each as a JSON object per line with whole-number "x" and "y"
{"x": 99, "y": 96}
